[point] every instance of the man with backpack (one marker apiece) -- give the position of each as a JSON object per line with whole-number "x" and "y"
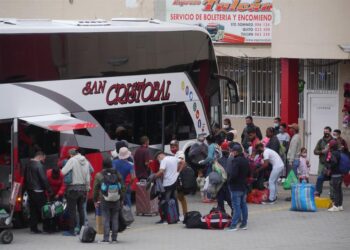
{"x": 123, "y": 166}
{"x": 76, "y": 191}
{"x": 332, "y": 166}
{"x": 108, "y": 195}
{"x": 168, "y": 170}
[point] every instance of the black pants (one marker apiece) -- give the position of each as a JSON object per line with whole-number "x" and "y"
{"x": 224, "y": 195}
{"x": 75, "y": 201}
{"x": 336, "y": 183}
{"x": 36, "y": 201}
{"x": 170, "y": 193}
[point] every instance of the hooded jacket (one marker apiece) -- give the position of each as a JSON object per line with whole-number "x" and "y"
{"x": 80, "y": 168}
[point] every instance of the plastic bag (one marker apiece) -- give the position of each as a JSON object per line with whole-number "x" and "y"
{"x": 291, "y": 179}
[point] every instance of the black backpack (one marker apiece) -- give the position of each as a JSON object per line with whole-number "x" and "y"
{"x": 87, "y": 234}
{"x": 187, "y": 183}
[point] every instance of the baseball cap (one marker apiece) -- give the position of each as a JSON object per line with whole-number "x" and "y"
{"x": 235, "y": 146}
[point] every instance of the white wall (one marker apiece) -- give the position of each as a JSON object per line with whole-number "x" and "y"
{"x": 311, "y": 29}
{"x": 76, "y": 9}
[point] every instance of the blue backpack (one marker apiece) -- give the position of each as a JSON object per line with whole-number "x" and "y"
{"x": 110, "y": 186}
{"x": 344, "y": 163}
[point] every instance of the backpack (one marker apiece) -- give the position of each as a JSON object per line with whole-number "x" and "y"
{"x": 187, "y": 182}
{"x": 344, "y": 163}
{"x": 110, "y": 186}
{"x": 87, "y": 234}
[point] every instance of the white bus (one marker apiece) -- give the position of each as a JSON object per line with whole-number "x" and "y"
{"x": 70, "y": 84}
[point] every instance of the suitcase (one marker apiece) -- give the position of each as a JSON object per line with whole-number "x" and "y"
{"x": 172, "y": 213}
{"x": 144, "y": 204}
{"x": 323, "y": 202}
{"x": 87, "y": 234}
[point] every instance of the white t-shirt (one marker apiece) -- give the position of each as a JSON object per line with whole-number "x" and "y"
{"x": 283, "y": 137}
{"x": 169, "y": 165}
{"x": 273, "y": 158}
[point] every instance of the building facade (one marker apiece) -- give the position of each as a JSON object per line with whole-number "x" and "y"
{"x": 299, "y": 73}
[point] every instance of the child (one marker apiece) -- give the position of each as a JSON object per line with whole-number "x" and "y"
{"x": 304, "y": 166}
{"x": 200, "y": 184}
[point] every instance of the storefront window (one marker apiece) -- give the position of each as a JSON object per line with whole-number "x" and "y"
{"x": 258, "y": 81}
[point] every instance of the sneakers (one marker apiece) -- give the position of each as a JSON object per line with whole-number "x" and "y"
{"x": 68, "y": 233}
{"x": 181, "y": 218}
{"x": 243, "y": 227}
{"x": 232, "y": 229}
{"x": 334, "y": 209}
{"x": 268, "y": 202}
{"x": 103, "y": 241}
{"x": 162, "y": 222}
{"x": 341, "y": 208}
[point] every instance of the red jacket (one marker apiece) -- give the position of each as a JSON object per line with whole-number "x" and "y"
{"x": 57, "y": 185}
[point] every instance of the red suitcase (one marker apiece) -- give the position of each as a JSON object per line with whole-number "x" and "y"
{"x": 144, "y": 205}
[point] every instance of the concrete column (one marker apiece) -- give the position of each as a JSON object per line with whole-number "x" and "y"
{"x": 289, "y": 90}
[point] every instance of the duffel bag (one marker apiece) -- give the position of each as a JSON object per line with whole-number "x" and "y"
{"x": 48, "y": 211}
{"x": 216, "y": 220}
{"x": 192, "y": 219}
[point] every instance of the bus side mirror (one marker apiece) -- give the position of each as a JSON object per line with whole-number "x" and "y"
{"x": 231, "y": 86}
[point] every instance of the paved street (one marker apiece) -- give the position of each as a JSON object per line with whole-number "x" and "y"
{"x": 270, "y": 227}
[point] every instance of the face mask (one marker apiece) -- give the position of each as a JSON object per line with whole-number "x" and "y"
{"x": 173, "y": 151}
{"x": 304, "y": 155}
{"x": 276, "y": 125}
{"x": 226, "y": 126}
{"x": 326, "y": 135}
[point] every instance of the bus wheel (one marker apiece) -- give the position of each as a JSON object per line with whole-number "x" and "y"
{"x": 21, "y": 218}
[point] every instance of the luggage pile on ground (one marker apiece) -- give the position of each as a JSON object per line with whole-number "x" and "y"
{"x": 216, "y": 219}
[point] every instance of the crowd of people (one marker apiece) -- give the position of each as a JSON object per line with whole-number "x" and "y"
{"x": 256, "y": 162}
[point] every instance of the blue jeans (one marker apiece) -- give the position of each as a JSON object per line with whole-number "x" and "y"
{"x": 295, "y": 166}
{"x": 127, "y": 199}
{"x": 319, "y": 183}
{"x": 239, "y": 204}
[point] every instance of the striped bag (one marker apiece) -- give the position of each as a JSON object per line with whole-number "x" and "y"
{"x": 303, "y": 198}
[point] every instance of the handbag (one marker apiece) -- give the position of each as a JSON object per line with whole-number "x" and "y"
{"x": 126, "y": 215}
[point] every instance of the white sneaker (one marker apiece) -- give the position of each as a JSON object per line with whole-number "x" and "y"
{"x": 341, "y": 208}
{"x": 333, "y": 209}
{"x": 181, "y": 218}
